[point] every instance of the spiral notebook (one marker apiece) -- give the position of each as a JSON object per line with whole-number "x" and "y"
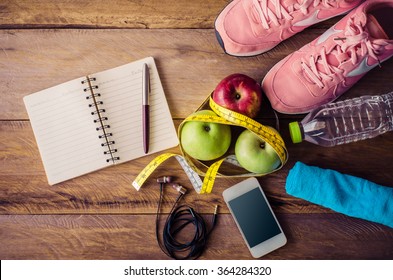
{"x": 95, "y": 121}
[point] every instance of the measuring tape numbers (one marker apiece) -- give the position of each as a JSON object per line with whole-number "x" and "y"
{"x": 194, "y": 169}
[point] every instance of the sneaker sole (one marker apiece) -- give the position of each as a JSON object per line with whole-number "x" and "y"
{"x": 220, "y": 41}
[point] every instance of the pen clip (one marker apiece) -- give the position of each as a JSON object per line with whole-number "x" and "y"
{"x": 146, "y": 84}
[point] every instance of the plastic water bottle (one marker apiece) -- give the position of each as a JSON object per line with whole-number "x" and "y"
{"x": 345, "y": 121}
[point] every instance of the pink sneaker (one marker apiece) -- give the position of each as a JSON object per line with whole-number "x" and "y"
{"x": 251, "y": 27}
{"x": 324, "y": 69}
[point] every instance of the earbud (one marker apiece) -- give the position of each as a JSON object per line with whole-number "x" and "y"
{"x": 179, "y": 188}
{"x": 168, "y": 179}
{"x": 165, "y": 179}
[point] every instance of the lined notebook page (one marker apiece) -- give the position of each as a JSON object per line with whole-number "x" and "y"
{"x": 121, "y": 93}
{"x": 65, "y": 131}
{"x": 69, "y": 139}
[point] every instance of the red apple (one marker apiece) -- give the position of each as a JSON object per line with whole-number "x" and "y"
{"x": 239, "y": 93}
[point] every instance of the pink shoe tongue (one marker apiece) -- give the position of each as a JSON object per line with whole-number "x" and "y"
{"x": 335, "y": 59}
{"x": 287, "y": 3}
{"x": 271, "y": 6}
{"x": 374, "y": 28}
{"x": 375, "y": 31}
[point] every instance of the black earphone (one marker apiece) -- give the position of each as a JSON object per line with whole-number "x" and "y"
{"x": 177, "y": 220}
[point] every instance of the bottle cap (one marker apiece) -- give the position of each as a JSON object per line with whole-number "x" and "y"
{"x": 296, "y": 132}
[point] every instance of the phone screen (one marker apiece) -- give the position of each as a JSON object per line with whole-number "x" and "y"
{"x": 254, "y": 217}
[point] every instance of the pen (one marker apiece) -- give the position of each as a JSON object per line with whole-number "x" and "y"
{"x": 145, "y": 106}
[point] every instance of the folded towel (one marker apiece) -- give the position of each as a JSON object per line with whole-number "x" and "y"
{"x": 346, "y": 194}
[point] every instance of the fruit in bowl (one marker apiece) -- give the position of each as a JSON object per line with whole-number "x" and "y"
{"x": 239, "y": 93}
{"x": 254, "y": 154}
{"x": 205, "y": 140}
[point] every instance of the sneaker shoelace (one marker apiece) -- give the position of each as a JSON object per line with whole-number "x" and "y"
{"x": 355, "y": 44}
{"x": 267, "y": 15}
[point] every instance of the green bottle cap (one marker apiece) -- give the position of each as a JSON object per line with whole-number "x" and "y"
{"x": 296, "y": 132}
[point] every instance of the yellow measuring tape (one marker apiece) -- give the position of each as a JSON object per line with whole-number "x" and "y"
{"x": 193, "y": 168}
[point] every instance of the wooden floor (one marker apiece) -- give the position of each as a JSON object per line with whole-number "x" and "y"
{"x": 100, "y": 215}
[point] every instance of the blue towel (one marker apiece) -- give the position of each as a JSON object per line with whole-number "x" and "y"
{"x": 346, "y": 194}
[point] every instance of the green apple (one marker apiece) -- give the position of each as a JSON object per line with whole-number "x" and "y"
{"x": 254, "y": 154}
{"x": 205, "y": 140}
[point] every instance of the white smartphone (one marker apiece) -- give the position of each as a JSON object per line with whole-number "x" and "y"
{"x": 254, "y": 217}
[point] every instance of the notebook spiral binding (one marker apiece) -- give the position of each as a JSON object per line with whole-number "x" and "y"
{"x": 98, "y": 111}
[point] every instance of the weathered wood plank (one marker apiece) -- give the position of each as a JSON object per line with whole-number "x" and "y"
{"x": 114, "y": 14}
{"x": 311, "y": 236}
{"x": 24, "y": 188}
{"x": 190, "y": 62}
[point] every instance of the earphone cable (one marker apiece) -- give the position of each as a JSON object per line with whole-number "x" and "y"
{"x": 177, "y": 219}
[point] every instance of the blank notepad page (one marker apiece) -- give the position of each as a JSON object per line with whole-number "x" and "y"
{"x": 65, "y": 131}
